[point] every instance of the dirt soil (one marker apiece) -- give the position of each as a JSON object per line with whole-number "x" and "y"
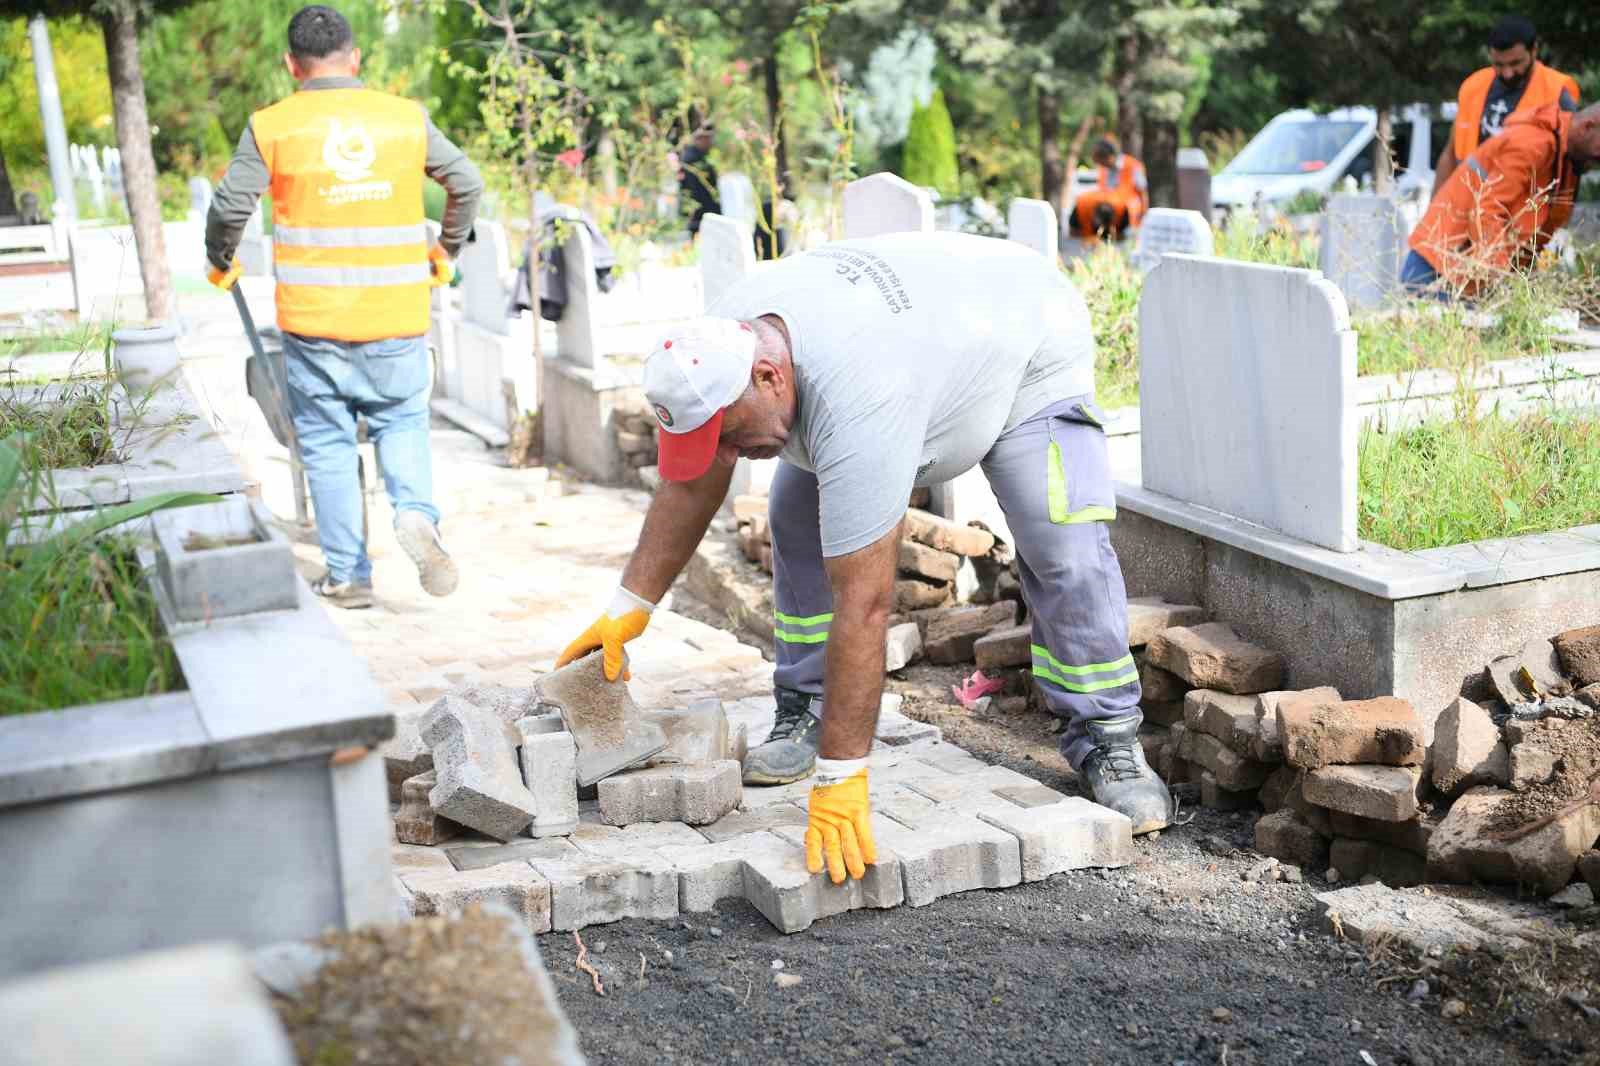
{"x": 1576, "y": 748}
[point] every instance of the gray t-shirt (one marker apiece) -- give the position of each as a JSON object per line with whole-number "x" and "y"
{"x": 913, "y": 353}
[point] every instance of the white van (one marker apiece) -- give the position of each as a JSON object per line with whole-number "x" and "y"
{"x": 1302, "y": 151}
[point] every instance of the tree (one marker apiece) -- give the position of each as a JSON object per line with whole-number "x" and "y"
{"x": 929, "y": 159}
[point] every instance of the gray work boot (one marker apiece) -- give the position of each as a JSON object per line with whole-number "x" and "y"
{"x": 790, "y": 752}
{"x": 420, "y": 540}
{"x": 351, "y": 595}
{"x": 1121, "y": 779}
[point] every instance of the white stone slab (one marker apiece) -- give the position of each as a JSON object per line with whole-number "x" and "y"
{"x": 737, "y": 195}
{"x": 1033, "y": 223}
{"x": 1361, "y": 245}
{"x": 1246, "y": 380}
{"x": 484, "y": 264}
{"x": 727, "y": 253}
{"x": 576, "y": 336}
{"x": 1167, "y": 230}
{"x": 885, "y": 203}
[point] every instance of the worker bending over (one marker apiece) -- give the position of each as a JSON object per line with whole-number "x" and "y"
{"x": 1118, "y": 201}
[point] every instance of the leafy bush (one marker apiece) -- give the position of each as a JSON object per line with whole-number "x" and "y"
{"x": 1240, "y": 237}
{"x": 929, "y": 157}
{"x": 1111, "y": 288}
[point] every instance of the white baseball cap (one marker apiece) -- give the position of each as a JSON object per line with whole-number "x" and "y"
{"x": 697, "y": 371}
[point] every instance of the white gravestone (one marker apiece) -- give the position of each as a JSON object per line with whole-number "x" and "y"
{"x": 199, "y": 199}
{"x": 484, "y": 264}
{"x": 255, "y": 247}
{"x": 737, "y": 197}
{"x": 113, "y": 170}
{"x": 1361, "y": 244}
{"x": 1033, "y": 222}
{"x": 727, "y": 253}
{"x": 1246, "y": 382}
{"x": 576, "y": 339}
{"x": 885, "y": 203}
{"x": 1167, "y": 229}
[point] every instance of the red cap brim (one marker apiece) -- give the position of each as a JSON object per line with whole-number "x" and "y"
{"x": 686, "y": 456}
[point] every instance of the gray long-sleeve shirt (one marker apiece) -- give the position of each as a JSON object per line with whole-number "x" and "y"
{"x": 247, "y": 178}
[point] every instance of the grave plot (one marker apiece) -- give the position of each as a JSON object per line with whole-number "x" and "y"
{"x": 490, "y": 810}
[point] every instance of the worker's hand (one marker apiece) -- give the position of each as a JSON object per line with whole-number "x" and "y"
{"x": 839, "y": 823}
{"x": 224, "y": 279}
{"x": 442, "y": 266}
{"x": 623, "y": 620}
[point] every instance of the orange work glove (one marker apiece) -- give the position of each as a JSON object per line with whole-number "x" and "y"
{"x": 623, "y": 620}
{"x": 839, "y": 822}
{"x": 224, "y": 279}
{"x": 442, "y": 266}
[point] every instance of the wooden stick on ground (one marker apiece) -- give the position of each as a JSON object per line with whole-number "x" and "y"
{"x": 583, "y": 964}
{"x": 1592, "y": 796}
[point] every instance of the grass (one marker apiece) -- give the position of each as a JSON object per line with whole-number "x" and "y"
{"x": 82, "y": 338}
{"x": 1111, "y": 287}
{"x": 73, "y": 431}
{"x": 1474, "y": 478}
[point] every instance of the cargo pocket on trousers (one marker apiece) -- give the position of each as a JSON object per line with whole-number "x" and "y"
{"x": 1078, "y": 468}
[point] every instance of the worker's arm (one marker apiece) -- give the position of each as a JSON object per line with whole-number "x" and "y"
{"x": 463, "y": 186}
{"x": 235, "y": 199}
{"x": 1505, "y": 221}
{"x": 863, "y": 597}
{"x": 1446, "y": 164}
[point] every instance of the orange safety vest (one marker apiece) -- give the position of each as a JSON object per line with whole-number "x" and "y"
{"x": 349, "y": 238}
{"x": 1124, "y": 195}
{"x": 1544, "y": 87}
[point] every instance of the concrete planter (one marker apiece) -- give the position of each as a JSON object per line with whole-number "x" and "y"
{"x": 224, "y": 559}
{"x": 146, "y": 357}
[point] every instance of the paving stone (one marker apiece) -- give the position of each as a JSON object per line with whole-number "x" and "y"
{"x": 661, "y": 835}
{"x": 695, "y": 794}
{"x": 1229, "y": 718}
{"x": 1427, "y": 921}
{"x": 903, "y": 804}
{"x": 607, "y": 882}
{"x": 941, "y": 533}
{"x": 505, "y": 702}
{"x": 1276, "y": 789}
{"x": 948, "y": 788}
{"x": 931, "y": 563}
{"x": 1232, "y": 770}
{"x": 709, "y": 873}
{"x": 902, "y": 646}
{"x": 1385, "y": 793}
{"x": 1382, "y": 732}
{"x": 475, "y": 756}
{"x": 1004, "y": 648}
{"x": 1467, "y": 749}
{"x": 550, "y": 771}
{"x": 1463, "y": 848}
{"x": 951, "y": 637}
{"x": 758, "y": 796}
{"x": 911, "y": 594}
{"x": 1267, "y": 745}
{"x": 1539, "y": 659}
{"x": 895, "y": 729}
{"x": 698, "y": 733}
{"x": 466, "y": 857}
{"x": 1217, "y": 798}
{"x": 417, "y": 857}
{"x": 1159, "y": 686}
{"x": 536, "y": 724}
{"x": 755, "y": 820}
{"x": 949, "y": 758}
{"x": 1150, "y": 615}
{"x": 1070, "y": 834}
{"x": 951, "y": 853}
{"x": 416, "y": 822}
{"x": 1030, "y": 795}
{"x": 1213, "y": 656}
{"x": 778, "y": 885}
{"x": 610, "y": 732}
{"x": 1411, "y": 835}
{"x": 1395, "y": 867}
{"x": 1286, "y": 837}
{"x": 514, "y": 884}
{"x": 406, "y": 754}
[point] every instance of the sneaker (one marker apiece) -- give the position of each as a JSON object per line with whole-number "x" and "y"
{"x": 1121, "y": 779}
{"x": 420, "y": 539}
{"x": 790, "y": 752}
{"x": 351, "y": 595}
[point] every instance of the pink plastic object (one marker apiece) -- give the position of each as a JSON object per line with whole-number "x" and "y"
{"x": 975, "y": 688}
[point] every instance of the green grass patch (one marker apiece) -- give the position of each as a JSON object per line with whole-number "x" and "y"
{"x": 1477, "y": 478}
{"x": 70, "y": 431}
{"x": 83, "y": 337}
{"x": 1110, "y": 287}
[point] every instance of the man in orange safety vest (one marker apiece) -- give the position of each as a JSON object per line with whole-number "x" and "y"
{"x": 1119, "y": 199}
{"x": 345, "y": 167}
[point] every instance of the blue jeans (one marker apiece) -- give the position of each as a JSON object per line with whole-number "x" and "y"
{"x": 331, "y": 383}
{"x": 1418, "y": 277}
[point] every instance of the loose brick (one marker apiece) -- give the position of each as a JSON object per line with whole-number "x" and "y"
{"x": 697, "y": 795}
{"x": 1231, "y": 769}
{"x": 931, "y": 563}
{"x": 416, "y": 822}
{"x": 1539, "y": 659}
{"x": 777, "y": 883}
{"x": 902, "y": 646}
{"x": 1158, "y": 685}
{"x": 474, "y": 857}
{"x": 1395, "y": 867}
{"x": 1285, "y": 837}
{"x": 1150, "y": 615}
{"x": 951, "y": 637}
{"x": 601, "y": 716}
{"x": 550, "y": 772}
{"x": 1467, "y": 749}
{"x": 479, "y": 782}
{"x": 913, "y": 595}
{"x": 514, "y": 884}
{"x": 1384, "y": 732}
{"x": 1213, "y": 656}
{"x": 1589, "y": 695}
{"x": 1069, "y": 834}
{"x": 1276, "y": 790}
{"x": 1231, "y": 719}
{"x": 418, "y": 857}
{"x": 406, "y": 754}
{"x": 1267, "y": 744}
{"x": 1385, "y": 793}
{"x": 946, "y": 535}
{"x": 1217, "y": 798}
{"x": 505, "y": 702}
{"x": 1411, "y": 835}
{"x": 896, "y": 730}
{"x": 951, "y": 853}
{"x": 696, "y": 734}
{"x": 1463, "y": 848}
{"x": 1002, "y": 649}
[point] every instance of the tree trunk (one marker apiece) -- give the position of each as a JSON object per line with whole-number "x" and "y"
{"x": 774, "y": 90}
{"x": 121, "y": 30}
{"x": 8, "y": 200}
{"x": 1161, "y": 162}
{"x": 606, "y": 159}
{"x": 1382, "y": 162}
{"x": 1130, "y": 128}
{"x": 1052, "y": 171}
{"x": 533, "y": 285}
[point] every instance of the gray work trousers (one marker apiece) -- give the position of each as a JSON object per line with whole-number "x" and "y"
{"x": 1071, "y": 581}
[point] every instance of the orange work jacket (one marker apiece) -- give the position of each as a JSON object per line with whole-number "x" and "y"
{"x": 1504, "y": 202}
{"x": 349, "y": 238}
{"x": 1544, "y": 87}
{"x": 1130, "y": 194}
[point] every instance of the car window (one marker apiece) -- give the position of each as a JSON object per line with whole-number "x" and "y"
{"x": 1294, "y": 147}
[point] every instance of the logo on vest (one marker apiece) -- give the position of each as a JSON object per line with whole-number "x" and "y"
{"x": 349, "y": 151}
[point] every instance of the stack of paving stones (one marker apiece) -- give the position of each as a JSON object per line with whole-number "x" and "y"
{"x": 635, "y": 431}
{"x": 669, "y": 838}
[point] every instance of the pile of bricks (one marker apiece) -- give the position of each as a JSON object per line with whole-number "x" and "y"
{"x": 636, "y": 440}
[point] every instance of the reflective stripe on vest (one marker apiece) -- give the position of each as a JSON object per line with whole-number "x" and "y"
{"x": 350, "y": 242}
{"x": 1545, "y": 86}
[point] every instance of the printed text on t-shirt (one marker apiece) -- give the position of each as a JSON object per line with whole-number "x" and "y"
{"x": 855, "y": 267}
